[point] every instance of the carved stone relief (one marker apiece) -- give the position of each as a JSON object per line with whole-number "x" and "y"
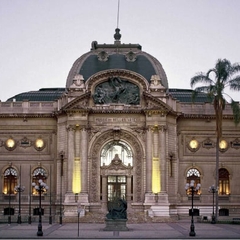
{"x": 116, "y": 90}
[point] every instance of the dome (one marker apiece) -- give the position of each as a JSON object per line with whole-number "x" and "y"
{"x": 130, "y": 57}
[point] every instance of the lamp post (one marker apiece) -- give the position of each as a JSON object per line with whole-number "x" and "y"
{"x": 50, "y": 202}
{"x": 62, "y": 159}
{"x": 9, "y": 204}
{"x": 40, "y": 187}
{"x": 192, "y": 189}
{"x": 19, "y": 189}
{"x": 213, "y": 190}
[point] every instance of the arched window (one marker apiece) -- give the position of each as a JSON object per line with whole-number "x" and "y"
{"x": 224, "y": 186}
{"x": 38, "y": 173}
{"x": 10, "y": 180}
{"x": 111, "y": 149}
{"x": 193, "y": 174}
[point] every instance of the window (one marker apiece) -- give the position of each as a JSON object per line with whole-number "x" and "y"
{"x": 38, "y": 173}
{"x": 193, "y": 174}
{"x": 10, "y": 181}
{"x": 111, "y": 149}
{"x": 224, "y": 188}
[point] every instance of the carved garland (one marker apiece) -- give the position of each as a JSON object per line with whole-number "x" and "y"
{"x": 138, "y": 159}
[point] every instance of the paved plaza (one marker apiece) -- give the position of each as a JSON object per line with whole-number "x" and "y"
{"x": 176, "y": 230}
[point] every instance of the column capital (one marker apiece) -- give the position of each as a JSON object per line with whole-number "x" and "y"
{"x": 163, "y": 128}
{"x": 71, "y": 128}
{"x": 157, "y": 127}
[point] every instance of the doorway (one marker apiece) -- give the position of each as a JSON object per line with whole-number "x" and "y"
{"x": 116, "y": 187}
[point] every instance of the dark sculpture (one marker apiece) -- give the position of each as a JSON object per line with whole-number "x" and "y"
{"x": 117, "y": 90}
{"x": 117, "y": 209}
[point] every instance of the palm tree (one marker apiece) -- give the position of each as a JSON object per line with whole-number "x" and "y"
{"x": 226, "y": 75}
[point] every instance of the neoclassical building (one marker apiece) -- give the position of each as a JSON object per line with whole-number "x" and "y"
{"x": 115, "y": 130}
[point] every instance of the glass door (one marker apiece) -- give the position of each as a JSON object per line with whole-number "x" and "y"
{"x": 116, "y": 187}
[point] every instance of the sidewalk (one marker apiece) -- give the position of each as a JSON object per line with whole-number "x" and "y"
{"x": 178, "y": 230}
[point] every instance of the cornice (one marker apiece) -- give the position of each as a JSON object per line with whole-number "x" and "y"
{"x": 28, "y": 115}
{"x": 203, "y": 116}
{"x": 116, "y": 111}
{"x": 71, "y": 105}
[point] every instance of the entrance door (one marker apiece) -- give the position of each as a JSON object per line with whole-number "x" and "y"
{"x": 116, "y": 187}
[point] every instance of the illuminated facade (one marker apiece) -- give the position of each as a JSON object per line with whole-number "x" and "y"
{"x": 116, "y": 130}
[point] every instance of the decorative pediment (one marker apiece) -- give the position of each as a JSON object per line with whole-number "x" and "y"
{"x": 116, "y": 164}
{"x": 155, "y": 105}
{"x": 78, "y": 104}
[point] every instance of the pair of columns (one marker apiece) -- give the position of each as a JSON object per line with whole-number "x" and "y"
{"x": 156, "y": 151}
{"x": 77, "y": 165}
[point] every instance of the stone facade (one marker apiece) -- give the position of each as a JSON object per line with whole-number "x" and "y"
{"x": 155, "y": 131}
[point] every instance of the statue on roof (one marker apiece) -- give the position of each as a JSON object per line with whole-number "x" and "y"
{"x": 156, "y": 83}
{"x": 78, "y": 82}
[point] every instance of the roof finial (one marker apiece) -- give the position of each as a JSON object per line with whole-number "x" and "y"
{"x": 117, "y": 35}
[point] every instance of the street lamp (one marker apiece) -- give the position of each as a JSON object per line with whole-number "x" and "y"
{"x": 61, "y": 173}
{"x": 192, "y": 189}
{"x": 19, "y": 189}
{"x": 40, "y": 187}
{"x": 213, "y": 190}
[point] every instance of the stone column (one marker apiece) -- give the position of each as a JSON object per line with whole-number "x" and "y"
{"x": 104, "y": 189}
{"x": 149, "y": 160}
{"x": 129, "y": 181}
{"x": 84, "y": 160}
{"x": 71, "y": 130}
{"x": 156, "y": 178}
{"x": 163, "y": 170}
{"x": 77, "y": 168}
{"x": 77, "y": 143}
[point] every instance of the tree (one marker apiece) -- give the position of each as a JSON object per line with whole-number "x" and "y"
{"x": 225, "y": 76}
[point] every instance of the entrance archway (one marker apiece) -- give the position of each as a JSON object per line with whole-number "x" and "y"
{"x": 136, "y": 170}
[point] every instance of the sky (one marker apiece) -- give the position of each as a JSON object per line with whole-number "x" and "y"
{"x": 41, "y": 39}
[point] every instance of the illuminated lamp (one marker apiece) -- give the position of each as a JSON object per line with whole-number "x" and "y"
{"x": 39, "y": 144}
{"x": 10, "y": 144}
{"x": 194, "y": 144}
{"x": 223, "y": 145}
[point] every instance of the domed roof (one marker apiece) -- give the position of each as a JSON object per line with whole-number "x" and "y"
{"x": 117, "y": 56}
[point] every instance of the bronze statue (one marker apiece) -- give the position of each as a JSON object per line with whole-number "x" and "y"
{"x": 117, "y": 209}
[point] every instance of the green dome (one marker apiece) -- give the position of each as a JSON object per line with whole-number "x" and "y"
{"x": 117, "y": 56}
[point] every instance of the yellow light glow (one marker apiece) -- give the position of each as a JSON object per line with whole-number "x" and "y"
{"x": 10, "y": 143}
{"x": 223, "y": 144}
{"x": 39, "y": 143}
{"x": 5, "y": 190}
{"x": 193, "y": 144}
{"x": 76, "y": 183}
{"x": 156, "y": 187}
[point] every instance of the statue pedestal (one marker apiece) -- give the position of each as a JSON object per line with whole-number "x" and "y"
{"x": 116, "y": 225}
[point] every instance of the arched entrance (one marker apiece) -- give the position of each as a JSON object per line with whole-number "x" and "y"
{"x": 116, "y": 171}
{"x": 116, "y": 176}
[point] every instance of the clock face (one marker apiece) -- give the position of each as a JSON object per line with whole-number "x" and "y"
{"x": 10, "y": 143}
{"x": 223, "y": 144}
{"x": 39, "y": 143}
{"x": 193, "y": 144}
